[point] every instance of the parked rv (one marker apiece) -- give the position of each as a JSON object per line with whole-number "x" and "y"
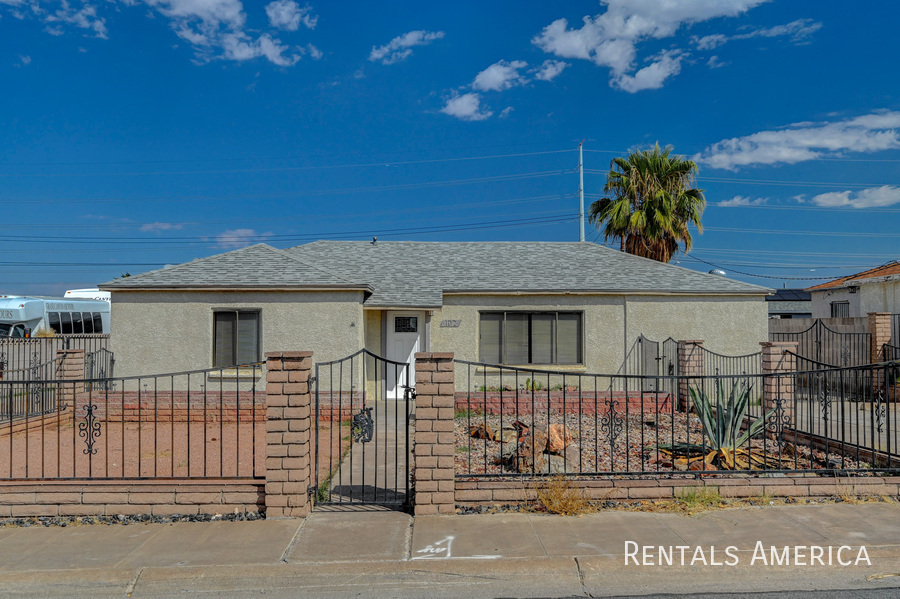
{"x": 23, "y": 316}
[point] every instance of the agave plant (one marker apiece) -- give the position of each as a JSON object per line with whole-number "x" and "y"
{"x": 725, "y": 443}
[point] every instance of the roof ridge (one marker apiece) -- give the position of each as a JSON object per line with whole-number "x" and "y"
{"x": 170, "y": 268}
{"x": 286, "y": 254}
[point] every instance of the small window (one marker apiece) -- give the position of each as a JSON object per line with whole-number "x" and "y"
{"x": 236, "y": 338}
{"x": 406, "y": 324}
{"x": 98, "y": 322}
{"x": 53, "y": 321}
{"x": 840, "y": 309}
{"x": 531, "y": 337}
{"x": 65, "y": 320}
{"x": 88, "y": 322}
{"x": 77, "y": 325}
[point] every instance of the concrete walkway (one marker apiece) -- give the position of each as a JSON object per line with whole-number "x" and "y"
{"x": 390, "y": 554}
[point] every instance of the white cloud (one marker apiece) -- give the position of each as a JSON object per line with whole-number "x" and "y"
{"x": 875, "y": 197}
{"x": 500, "y": 76}
{"x": 652, "y": 76}
{"x": 84, "y": 17}
{"x": 610, "y": 39}
{"x": 743, "y": 201}
{"x": 715, "y": 63}
{"x": 238, "y": 238}
{"x": 806, "y": 141}
{"x": 550, "y": 70}
{"x": 505, "y": 112}
{"x": 314, "y": 52}
{"x": 466, "y": 107}
{"x": 156, "y": 227}
{"x": 238, "y": 46}
{"x": 400, "y": 48}
{"x": 709, "y": 42}
{"x": 799, "y": 31}
{"x": 25, "y": 59}
{"x": 288, "y": 15}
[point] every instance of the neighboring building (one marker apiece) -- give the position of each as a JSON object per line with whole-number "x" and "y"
{"x": 874, "y": 290}
{"x": 789, "y": 303}
{"x": 571, "y": 306}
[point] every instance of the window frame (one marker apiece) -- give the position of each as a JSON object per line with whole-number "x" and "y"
{"x": 845, "y": 305}
{"x": 235, "y": 352}
{"x": 530, "y": 336}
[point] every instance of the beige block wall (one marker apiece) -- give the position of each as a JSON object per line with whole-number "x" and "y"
{"x": 156, "y": 332}
{"x": 729, "y": 325}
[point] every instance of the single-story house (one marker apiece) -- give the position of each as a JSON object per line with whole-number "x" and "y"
{"x": 854, "y": 296}
{"x": 574, "y": 306}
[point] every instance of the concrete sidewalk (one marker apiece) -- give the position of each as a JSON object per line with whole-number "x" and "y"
{"x": 390, "y": 554}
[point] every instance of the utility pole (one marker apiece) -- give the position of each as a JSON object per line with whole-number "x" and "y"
{"x": 580, "y": 193}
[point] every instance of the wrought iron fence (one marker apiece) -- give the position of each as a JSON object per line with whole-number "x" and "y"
{"x": 585, "y": 424}
{"x": 653, "y": 360}
{"x": 18, "y": 354}
{"x": 891, "y": 353}
{"x": 194, "y": 425}
{"x": 716, "y": 364}
{"x": 828, "y": 346}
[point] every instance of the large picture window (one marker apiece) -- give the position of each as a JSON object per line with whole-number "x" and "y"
{"x": 236, "y": 337}
{"x": 531, "y": 337}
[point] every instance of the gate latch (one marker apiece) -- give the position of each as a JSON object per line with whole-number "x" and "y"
{"x": 409, "y": 393}
{"x": 362, "y": 428}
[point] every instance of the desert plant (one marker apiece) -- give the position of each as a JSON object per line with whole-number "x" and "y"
{"x": 724, "y": 438}
{"x": 42, "y": 332}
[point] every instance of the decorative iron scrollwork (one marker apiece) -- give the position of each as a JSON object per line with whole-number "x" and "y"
{"x": 880, "y": 410}
{"x": 89, "y": 430}
{"x": 823, "y": 396}
{"x": 611, "y": 424}
{"x": 362, "y": 428}
{"x": 778, "y": 420}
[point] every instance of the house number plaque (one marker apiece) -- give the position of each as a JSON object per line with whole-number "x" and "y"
{"x": 453, "y": 324}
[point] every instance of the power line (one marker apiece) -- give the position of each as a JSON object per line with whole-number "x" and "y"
{"x": 286, "y": 168}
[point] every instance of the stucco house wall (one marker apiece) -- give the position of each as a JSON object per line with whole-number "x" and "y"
{"x": 158, "y": 332}
{"x": 612, "y": 323}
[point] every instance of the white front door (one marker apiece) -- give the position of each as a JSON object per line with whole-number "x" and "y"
{"x": 405, "y": 337}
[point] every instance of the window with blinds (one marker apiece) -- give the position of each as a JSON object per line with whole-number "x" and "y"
{"x": 840, "y": 309}
{"x": 530, "y": 337}
{"x": 236, "y": 337}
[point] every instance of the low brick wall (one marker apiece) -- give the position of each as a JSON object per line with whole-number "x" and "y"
{"x": 111, "y": 498}
{"x": 556, "y": 402}
{"x": 487, "y": 492}
{"x": 180, "y": 406}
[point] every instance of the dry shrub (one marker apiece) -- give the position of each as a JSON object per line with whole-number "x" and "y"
{"x": 558, "y": 495}
{"x": 43, "y": 333}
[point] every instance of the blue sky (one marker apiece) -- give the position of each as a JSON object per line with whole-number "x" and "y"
{"x": 142, "y": 133}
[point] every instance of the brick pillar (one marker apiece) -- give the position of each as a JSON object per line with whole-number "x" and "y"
{"x": 288, "y": 430}
{"x": 434, "y": 440}
{"x": 778, "y": 390}
{"x": 691, "y": 363}
{"x": 69, "y": 367}
{"x": 880, "y": 331}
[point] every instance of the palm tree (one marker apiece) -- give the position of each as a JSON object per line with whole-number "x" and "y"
{"x": 650, "y": 203}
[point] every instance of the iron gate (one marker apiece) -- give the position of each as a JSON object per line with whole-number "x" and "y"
{"x": 822, "y": 344}
{"x": 363, "y": 406}
{"x": 648, "y": 358}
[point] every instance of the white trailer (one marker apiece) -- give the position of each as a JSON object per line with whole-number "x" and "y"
{"x": 23, "y": 316}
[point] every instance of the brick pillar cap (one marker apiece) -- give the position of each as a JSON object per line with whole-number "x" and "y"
{"x": 438, "y": 355}
{"x": 274, "y": 355}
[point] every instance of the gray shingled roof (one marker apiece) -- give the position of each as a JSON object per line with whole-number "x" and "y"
{"x": 416, "y": 274}
{"x": 255, "y": 266}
